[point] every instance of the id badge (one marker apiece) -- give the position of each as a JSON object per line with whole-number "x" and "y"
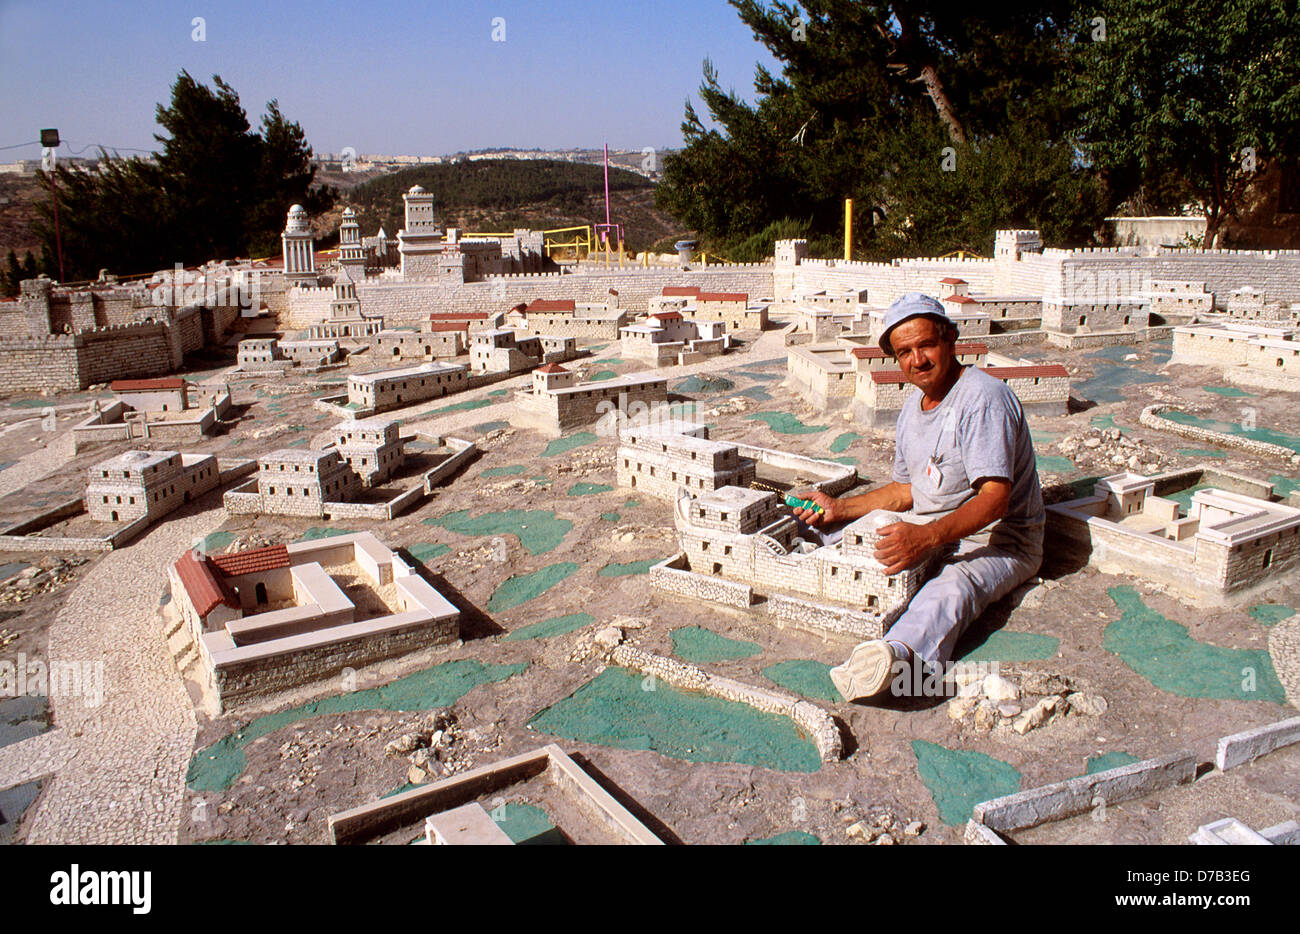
{"x": 933, "y": 472}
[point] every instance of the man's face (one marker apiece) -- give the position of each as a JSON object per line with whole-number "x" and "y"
{"x": 924, "y": 353}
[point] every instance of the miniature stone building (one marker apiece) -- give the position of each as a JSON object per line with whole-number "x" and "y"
{"x": 352, "y": 254}
{"x": 167, "y": 409}
{"x": 1176, "y": 302}
{"x": 1227, "y": 545}
{"x": 747, "y": 536}
{"x": 499, "y": 350}
{"x": 1250, "y": 354}
{"x": 390, "y": 389}
{"x": 667, "y": 338}
{"x": 569, "y": 318}
{"x": 346, "y": 320}
{"x": 828, "y": 375}
{"x": 297, "y": 482}
{"x": 731, "y": 308}
{"x": 371, "y": 447}
{"x": 147, "y": 483}
{"x": 247, "y": 649}
{"x": 1087, "y": 322}
{"x": 299, "y": 251}
{"x": 557, "y": 402}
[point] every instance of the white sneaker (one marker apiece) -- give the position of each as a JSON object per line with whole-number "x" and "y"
{"x": 866, "y": 673}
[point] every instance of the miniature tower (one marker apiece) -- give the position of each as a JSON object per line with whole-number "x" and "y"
{"x": 352, "y": 256}
{"x": 553, "y": 376}
{"x": 299, "y": 254}
{"x": 420, "y": 240}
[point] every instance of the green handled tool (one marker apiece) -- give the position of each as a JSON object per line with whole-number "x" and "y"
{"x": 795, "y": 502}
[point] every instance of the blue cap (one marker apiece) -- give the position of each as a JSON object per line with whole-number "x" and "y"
{"x": 911, "y": 305}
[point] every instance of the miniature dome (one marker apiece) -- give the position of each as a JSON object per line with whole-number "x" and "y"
{"x": 297, "y": 222}
{"x": 349, "y": 214}
{"x": 417, "y": 190}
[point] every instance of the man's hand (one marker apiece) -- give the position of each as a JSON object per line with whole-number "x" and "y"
{"x": 902, "y": 545}
{"x": 831, "y": 507}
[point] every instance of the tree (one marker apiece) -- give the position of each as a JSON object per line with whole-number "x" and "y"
{"x": 1188, "y": 100}
{"x": 873, "y": 102}
{"x": 215, "y": 190}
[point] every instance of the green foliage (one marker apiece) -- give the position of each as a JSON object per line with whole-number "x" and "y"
{"x": 13, "y": 273}
{"x": 869, "y": 97}
{"x": 501, "y": 186}
{"x": 1179, "y": 96}
{"x": 216, "y": 189}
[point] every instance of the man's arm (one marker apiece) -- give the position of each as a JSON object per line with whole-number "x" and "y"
{"x": 902, "y": 545}
{"x": 894, "y": 496}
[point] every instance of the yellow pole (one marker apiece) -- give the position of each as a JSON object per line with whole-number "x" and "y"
{"x": 848, "y": 229}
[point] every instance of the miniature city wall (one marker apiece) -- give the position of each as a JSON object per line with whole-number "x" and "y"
{"x": 245, "y": 657}
{"x": 117, "y": 421}
{"x": 360, "y": 824}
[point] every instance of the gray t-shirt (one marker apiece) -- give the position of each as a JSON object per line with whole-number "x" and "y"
{"x": 977, "y": 432}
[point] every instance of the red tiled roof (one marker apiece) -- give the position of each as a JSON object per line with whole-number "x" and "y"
{"x": 613, "y": 291}
{"x": 668, "y": 316}
{"x": 962, "y": 347}
{"x": 681, "y": 291}
{"x": 551, "y": 368}
{"x": 205, "y": 590}
{"x": 134, "y": 385}
{"x": 952, "y": 281}
{"x": 551, "y": 304}
{"x": 448, "y": 325}
{"x": 1019, "y": 372}
{"x": 457, "y": 316}
{"x": 722, "y": 297}
{"x": 252, "y": 561}
{"x": 960, "y": 299}
{"x": 520, "y": 307}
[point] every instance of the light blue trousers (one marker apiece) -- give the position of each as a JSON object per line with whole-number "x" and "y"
{"x": 963, "y": 582}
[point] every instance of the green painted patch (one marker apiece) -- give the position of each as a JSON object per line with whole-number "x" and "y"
{"x": 631, "y": 504}
{"x": 1163, "y": 652}
{"x": 1201, "y": 452}
{"x": 499, "y": 392}
{"x": 1003, "y": 646}
{"x": 610, "y": 361}
{"x": 299, "y": 443}
{"x": 696, "y": 644}
{"x": 1267, "y": 435}
{"x": 602, "y": 376}
{"x": 399, "y": 789}
{"x": 805, "y": 677}
{"x": 465, "y": 406}
{"x": 588, "y": 489}
{"x": 1048, "y": 463}
{"x": 484, "y": 428}
{"x": 1184, "y": 497}
{"x": 322, "y": 531}
{"x": 555, "y": 626}
{"x": 784, "y": 423}
{"x": 1109, "y": 760}
{"x": 626, "y": 710}
{"x": 632, "y": 567}
{"x": 216, "y": 767}
{"x": 508, "y": 471}
{"x": 1284, "y": 486}
{"x": 842, "y": 443}
{"x": 566, "y": 444}
{"x": 527, "y": 825}
{"x": 538, "y": 530}
{"x": 757, "y": 393}
{"x": 213, "y": 542}
{"x": 541, "y": 480}
{"x": 959, "y": 779}
{"x": 1271, "y": 613}
{"x": 297, "y": 428}
{"x": 1232, "y": 392}
{"x": 698, "y": 383}
{"x": 850, "y": 461}
{"x": 426, "y": 550}
{"x": 524, "y": 587}
{"x": 1103, "y": 421}
{"x": 789, "y": 838}
{"x": 610, "y": 516}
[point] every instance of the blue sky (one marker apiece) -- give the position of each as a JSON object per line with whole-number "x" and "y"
{"x": 395, "y": 77}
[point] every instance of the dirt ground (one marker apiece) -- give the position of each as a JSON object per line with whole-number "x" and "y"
{"x": 299, "y": 773}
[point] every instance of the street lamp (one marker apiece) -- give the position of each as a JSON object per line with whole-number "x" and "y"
{"x": 50, "y": 142}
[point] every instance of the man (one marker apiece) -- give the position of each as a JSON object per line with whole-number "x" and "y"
{"x": 963, "y": 459}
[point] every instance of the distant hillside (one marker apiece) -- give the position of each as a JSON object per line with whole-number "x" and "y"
{"x": 501, "y": 194}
